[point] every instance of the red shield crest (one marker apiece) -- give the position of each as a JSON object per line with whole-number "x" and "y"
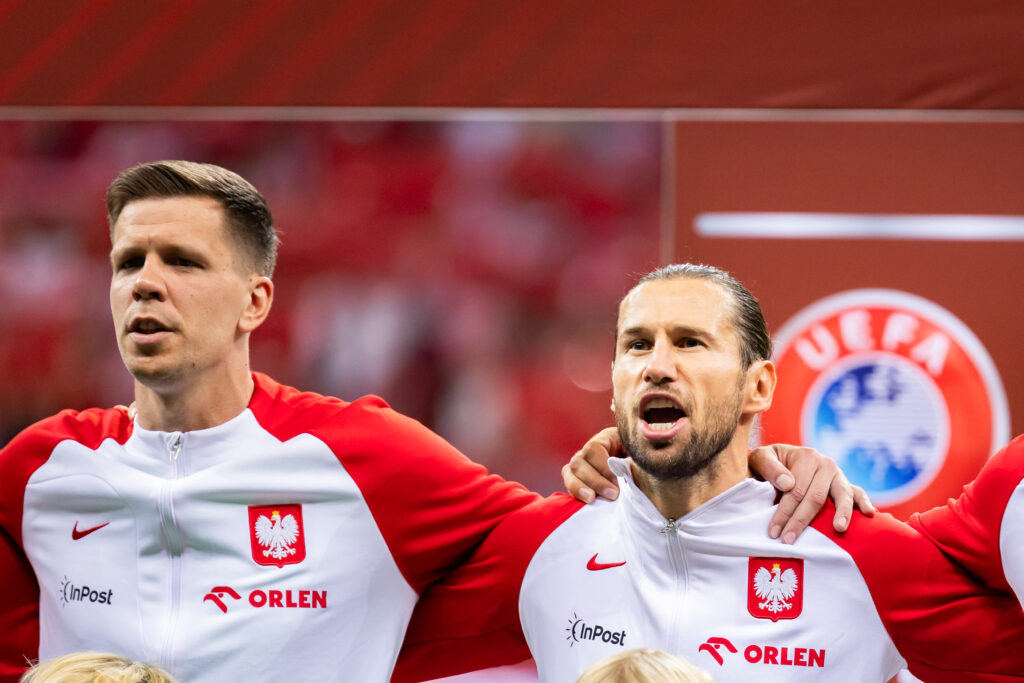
{"x": 897, "y": 389}
{"x": 775, "y": 587}
{"x": 277, "y": 535}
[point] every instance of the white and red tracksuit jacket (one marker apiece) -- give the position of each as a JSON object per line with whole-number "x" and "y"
{"x": 289, "y": 543}
{"x": 575, "y": 583}
{"x": 983, "y": 529}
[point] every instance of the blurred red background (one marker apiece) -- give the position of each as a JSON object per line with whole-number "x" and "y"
{"x": 466, "y": 189}
{"x": 467, "y": 271}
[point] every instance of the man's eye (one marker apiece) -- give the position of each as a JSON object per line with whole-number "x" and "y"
{"x": 638, "y": 345}
{"x": 184, "y": 263}
{"x": 689, "y": 342}
{"x": 130, "y": 264}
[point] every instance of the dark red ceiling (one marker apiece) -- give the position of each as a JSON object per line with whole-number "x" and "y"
{"x": 514, "y": 53}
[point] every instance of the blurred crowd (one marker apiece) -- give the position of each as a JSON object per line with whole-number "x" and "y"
{"x": 467, "y": 271}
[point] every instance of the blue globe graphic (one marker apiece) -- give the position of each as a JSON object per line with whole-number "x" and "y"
{"x": 884, "y": 420}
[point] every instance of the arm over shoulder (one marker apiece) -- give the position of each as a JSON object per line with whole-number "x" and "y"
{"x": 433, "y": 505}
{"x": 470, "y": 619}
{"x": 983, "y": 529}
{"x": 945, "y": 623}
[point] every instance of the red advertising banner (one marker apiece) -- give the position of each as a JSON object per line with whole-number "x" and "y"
{"x": 885, "y": 255}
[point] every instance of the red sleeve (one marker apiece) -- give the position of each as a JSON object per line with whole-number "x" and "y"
{"x": 967, "y": 528}
{"x": 19, "y": 609}
{"x": 432, "y": 504}
{"x": 470, "y": 619}
{"x": 19, "y": 591}
{"x": 946, "y": 624}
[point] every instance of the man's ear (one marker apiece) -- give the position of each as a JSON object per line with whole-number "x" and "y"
{"x": 760, "y": 386}
{"x": 261, "y": 296}
{"x": 613, "y": 398}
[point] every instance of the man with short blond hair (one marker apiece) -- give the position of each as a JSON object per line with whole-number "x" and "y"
{"x": 156, "y": 537}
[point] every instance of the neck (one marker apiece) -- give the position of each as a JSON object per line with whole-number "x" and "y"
{"x": 677, "y": 497}
{"x": 193, "y": 404}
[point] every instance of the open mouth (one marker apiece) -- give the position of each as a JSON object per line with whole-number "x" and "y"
{"x": 661, "y": 416}
{"x": 146, "y": 329}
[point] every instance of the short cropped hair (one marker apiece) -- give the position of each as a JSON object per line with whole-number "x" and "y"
{"x": 246, "y": 212}
{"x": 95, "y": 667}
{"x": 747, "y": 318}
{"x": 643, "y": 665}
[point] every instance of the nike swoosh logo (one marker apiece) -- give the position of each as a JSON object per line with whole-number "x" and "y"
{"x": 76, "y": 534}
{"x": 595, "y": 566}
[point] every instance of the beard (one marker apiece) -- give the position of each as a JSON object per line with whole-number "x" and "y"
{"x": 699, "y": 452}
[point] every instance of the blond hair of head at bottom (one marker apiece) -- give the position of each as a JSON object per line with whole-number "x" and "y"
{"x": 95, "y": 667}
{"x": 643, "y": 665}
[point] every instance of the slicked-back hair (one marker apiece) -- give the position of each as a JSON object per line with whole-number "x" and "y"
{"x": 246, "y": 213}
{"x": 747, "y": 318}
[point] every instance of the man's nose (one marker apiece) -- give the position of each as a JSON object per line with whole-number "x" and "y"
{"x": 149, "y": 282}
{"x": 660, "y": 364}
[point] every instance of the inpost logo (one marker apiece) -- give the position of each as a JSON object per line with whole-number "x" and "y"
{"x": 578, "y": 630}
{"x": 69, "y": 593}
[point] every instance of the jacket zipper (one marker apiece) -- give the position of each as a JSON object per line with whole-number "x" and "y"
{"x": 175, "y": 547}
{"x": 675, "y": 553}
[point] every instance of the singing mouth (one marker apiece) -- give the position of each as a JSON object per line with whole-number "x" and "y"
{"x": 661, "y": 413}
{"x": 661, "y": 417}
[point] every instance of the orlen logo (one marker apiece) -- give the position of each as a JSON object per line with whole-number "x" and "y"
{"x": 289, "y": 599}
{"x": 765, "y": 654}
{"x": 216, "y": 596}
{"x": 895, "y": 388}
{"x": 712, "y": 645}
{"x": 578, "y": 631}
{"x": 69, "y": 592}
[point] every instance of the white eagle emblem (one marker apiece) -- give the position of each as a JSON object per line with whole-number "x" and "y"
{"x": 277, "y": 534}
{"x": 775, "y": 588}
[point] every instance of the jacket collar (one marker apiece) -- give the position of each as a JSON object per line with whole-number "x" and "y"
{"x": 649, "y": 537}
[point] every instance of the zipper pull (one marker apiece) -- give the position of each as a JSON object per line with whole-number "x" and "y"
{"x": 670, "y": 528}
{"x": 176, "y": 447}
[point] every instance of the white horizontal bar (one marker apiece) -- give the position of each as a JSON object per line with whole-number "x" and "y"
{"x": 860, "y": 226}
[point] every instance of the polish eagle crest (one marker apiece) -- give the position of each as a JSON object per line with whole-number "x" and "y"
{"x": 277, "y": 534}
{"x": 775, "y": 587}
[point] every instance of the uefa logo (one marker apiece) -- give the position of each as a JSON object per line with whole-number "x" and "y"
{"x": 895, "y": 388}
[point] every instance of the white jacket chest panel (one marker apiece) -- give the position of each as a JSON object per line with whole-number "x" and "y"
{"x": 1010, "y": 548}
{"x": 176, "y": 528}
{"x": 681, "y": 591}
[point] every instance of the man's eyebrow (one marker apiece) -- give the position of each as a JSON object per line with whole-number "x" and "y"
{"x": 121, "y": 252}
{"x": 690, "y": 331}
{"x": 181, "y": 250}
{"x": 632, "y": 331}
{"x": 165, "y": 250}
{"x": 685, "y": 330}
